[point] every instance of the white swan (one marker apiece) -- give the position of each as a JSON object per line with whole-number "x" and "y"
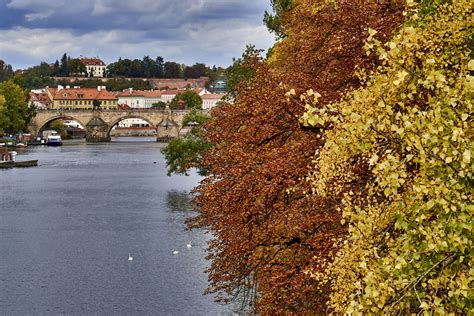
{"x": 189, "y": 245}
{"x": 175, "y": 252}
{"x": 130, "y": 258}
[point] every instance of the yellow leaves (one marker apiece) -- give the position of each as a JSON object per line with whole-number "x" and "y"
{"x": 411, "y": 124}
{"x": 290, "y": 93}
{"x": 470, "y": 65}
{"x": 400, "y": 77}
{"x": 466, "y": 156}
{"x": 371, "y": 32}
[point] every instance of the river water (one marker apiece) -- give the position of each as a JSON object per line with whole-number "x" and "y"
{"x": 67, "y": 228}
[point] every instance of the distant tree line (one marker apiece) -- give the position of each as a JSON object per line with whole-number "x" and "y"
{"x": 158, "y": 68}
{"x": 6, "y": 71}
{"x": 43, "y": 74}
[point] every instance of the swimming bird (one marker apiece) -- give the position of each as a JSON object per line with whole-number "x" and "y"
{"x": 130, "y": 258}
{"x": 189, "y": 245}
{"x": 175, "y": 252}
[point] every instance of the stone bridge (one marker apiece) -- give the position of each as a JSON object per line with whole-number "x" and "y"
{"x": 99, "y": 123}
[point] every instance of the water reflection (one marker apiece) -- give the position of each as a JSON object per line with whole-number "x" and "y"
{"x": 179, "y": 201}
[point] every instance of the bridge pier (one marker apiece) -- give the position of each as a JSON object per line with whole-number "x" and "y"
{"x": 97, "y": 131}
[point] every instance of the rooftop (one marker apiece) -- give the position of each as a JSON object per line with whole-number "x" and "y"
{"x": 81, "y": 93}
{"x": 92, "y": 61}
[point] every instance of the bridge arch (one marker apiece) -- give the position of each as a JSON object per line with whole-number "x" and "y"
{"x": 50, "y": 119}
{"x": 131, "y": 116}
{"x": 115, "y": 122}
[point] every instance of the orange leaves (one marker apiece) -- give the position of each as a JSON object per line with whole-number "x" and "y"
{"x": 268, "y": 232}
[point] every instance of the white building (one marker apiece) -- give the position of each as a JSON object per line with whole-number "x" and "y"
{"x": 39, "y": 99}
{"x": 210, "y": 100}
{"x": 139, "y": 99}
{"x": 94, "y": 66}
{"x": 168, "y": 95}
{"x": 133, "y": 123}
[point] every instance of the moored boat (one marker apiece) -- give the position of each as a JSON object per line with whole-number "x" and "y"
{"x": 54, "y": 140}
{"x": 25, "y": 163}
{"x": 6, "y": 164}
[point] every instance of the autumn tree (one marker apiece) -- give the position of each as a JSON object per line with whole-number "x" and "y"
{"x": 241, "y": 72}
{"x": 15, "y": 114}
{"x": 405, "y": 139}
{"x": 268, "y": 232}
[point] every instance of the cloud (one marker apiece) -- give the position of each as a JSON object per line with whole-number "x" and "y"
{"x": 186, "y": 31}
{"x": 38, "y": 15}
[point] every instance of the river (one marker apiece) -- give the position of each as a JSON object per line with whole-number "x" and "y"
{"x": 67, "y": 228}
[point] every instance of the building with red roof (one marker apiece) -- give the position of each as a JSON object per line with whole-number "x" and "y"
{"x": 95, "y": 67}
{"x": 210, "y": 100}
{"x": 139, "y": 98}
{"x": 81, "y": 98}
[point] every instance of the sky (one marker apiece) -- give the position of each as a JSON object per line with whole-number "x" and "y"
{"x": 185, "y": 31}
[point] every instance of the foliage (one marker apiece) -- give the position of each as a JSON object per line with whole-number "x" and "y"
{"x": 196, "y": 118}
{"x": 274, "y": 22}
{"x": 43, "y": 75}
{"x": 6, "y": 71}
{"x": 242, "y": 70}
{"x": 190, "y": 97}
{"x": 185, "y": 152}
{"x": 173, "y": 70}
{"x": 3, "y": 118}
{"x": 159, "y": 105}
{"x": 268, "y": 233}
{"x": 195, "y": 71}
{"x": 145, "y": 68}
{"x": 60, "y": 127}
{"x": 398, "y": 152}
{"x": 15, "y": 114}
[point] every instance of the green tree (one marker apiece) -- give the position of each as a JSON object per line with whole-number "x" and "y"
{"x": 64, "y": 67}
{"x": 274, "y": 21}
{"x": 190, "y": 97}
{"x": 15, "y": 114}
{"x": 196, "y": 119}
{"x": 59, "y": 127}
{"x": 6, "y": 71}
{"x": 159, "y": 105}
{"x": 76, "y": 67}
{"x": 3, "y": 117}
{"x": 186, "y": 152}
{"x": 160, "y": 67}
{"x": 242, "y": 70}
{"x": 172, "y": 70}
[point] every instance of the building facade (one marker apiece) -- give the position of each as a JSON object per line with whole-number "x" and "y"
{"x": 95, "y": 67}
{"x": 210, "y": 100}
{"x": 141, "y": 99}
{"x": 81, "y": 98}
{"x": 39, "y": 99}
